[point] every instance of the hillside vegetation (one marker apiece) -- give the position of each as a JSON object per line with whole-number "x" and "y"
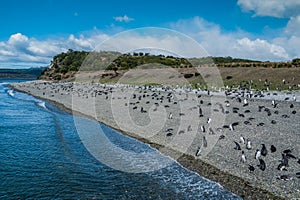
{"x": 113, "y": 64}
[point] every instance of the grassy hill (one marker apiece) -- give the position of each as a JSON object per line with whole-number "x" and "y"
{"x": 111, "y": 66}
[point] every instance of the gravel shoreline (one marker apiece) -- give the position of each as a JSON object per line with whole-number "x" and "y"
{"x": 217, "y": 160}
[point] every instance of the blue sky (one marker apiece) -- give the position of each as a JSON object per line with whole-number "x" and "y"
{"x": 33, "y": 31}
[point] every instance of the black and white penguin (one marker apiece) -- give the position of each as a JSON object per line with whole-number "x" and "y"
{"x": 237, "y": 146}
{"x": 281, "y": 167}
{"x": 200, "y": 112}
{"x": 202, "y": 129}
{"x": 248, "y": 146}
{"x": 285, "y": 177}
{"x": 251, "y": 168}
{"x": 264, "y": 150}
{"x": 208, "y": 120}
{"x": 204, "y": 141}
{"x": 262, "y": 164}
{"x": 257, "y": 154}
{"x": 198, "y": 151}
{"x": 273, "y": 148}
{"x": 243, "y": 158}
{"x": 242, "y": 139}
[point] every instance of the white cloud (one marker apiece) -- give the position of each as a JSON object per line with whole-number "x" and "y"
{"x": 124, "y": 18}
{"x": 273, "y": 8}
{"x": 18, "y": 41}
{"x": 237, "y": 44}
{"x": 293, "y": 26}
{"x": 20, "y": 48}
{"x": 261, "y": 49}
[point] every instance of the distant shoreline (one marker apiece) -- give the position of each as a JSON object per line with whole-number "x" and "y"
{"x": 233, "y": 183}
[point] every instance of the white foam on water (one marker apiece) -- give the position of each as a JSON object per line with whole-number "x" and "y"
{"x": 10, "y": 93}
{"x": 42, "y": 104}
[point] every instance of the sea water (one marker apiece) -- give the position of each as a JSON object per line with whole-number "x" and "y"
{"x": 42, "y": 156}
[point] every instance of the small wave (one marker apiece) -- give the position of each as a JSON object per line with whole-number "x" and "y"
{"x": 42, "y": 104}
{"x": 10, "y": 93}
{"x": 4, "y": 83}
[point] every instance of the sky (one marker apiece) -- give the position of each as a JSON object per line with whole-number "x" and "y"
{"x": 33, "y": 31}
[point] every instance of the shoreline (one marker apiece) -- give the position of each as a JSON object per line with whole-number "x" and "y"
{"x": 233, "y": 183}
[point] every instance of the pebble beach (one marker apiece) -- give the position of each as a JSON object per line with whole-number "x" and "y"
{"x": 247, "y": 141}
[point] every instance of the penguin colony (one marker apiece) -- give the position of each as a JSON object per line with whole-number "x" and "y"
{"x": 253, "y": 132}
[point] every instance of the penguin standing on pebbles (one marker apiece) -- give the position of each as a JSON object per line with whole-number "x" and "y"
{"x": 262, "y": 164}
{"x": 243, "y": 158}
{"x": 248, "y": 146}
{"x": 251, "y": 168}
{"x": 242, "y": 139}
{"x": 257, "y": 154}
{"x": 237, "y": 146}
{"x": 264, "y": 150}
{"x": 198, "y": 151}
{"x": 273, "y": 149}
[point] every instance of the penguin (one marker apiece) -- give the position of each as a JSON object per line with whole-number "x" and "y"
{"x": 274, "y": 104}
{"x": 243, "y": 158}
{"x": 289, "y": 155}
{"x": 285, "y": 177}
{"x": 237, "y": 146}
{"x": 284, "y": 160}
{"x": 231, "y": 127}
{"x": 257, "y": 154}
{"x": 170, "y": 116}
{"x": 249, "y": 147}
{"x": 273, "y": 122}
{"x": 245, "y": 103}
{"x": 211, "y": 131}
{"x": 208, "y": 120}
{"x": 198, "y": 151}
{"x": 202, "y": 129}
{"x": 262, "y": 164}
{"x": 200, "y": 112}
{"x": 273, "y": 148}
{"x": 251, "y": 168}
{"x": 242, "y": 139}
{"x": 169, "y": 134}
{"x": 189, "y": 128}
{"x": 264, "y": 150}
{"x": 223, "y": 137}
{"x": 204, "y": 141}
{"x": 287, "y": 151}
{"x": 281, "y": 167}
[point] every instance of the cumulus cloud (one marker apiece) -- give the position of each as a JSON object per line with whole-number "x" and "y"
{"x": 21, "y": 48}
{"x": 124, "y": 18}
{"x": 261, "y": 49}
{"x": 18, "y": 41}
{"x": 273, "y": 8}
{"x": 236, "y": 44}
{"x": 210, "y": 36}
{"x": 293, "y": 26}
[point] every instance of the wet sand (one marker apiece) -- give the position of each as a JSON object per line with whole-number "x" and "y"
{"x": 176, "y": 122}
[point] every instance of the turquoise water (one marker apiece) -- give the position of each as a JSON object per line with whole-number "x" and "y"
{"x": 42, "y": 156}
